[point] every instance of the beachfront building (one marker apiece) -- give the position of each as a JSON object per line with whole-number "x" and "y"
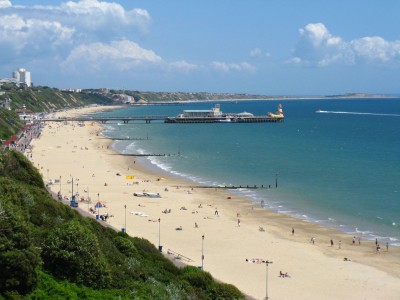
{"x": 26, "y": 115}
{"x": 22, "y": 76}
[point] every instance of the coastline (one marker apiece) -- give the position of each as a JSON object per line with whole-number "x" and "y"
{"x": 317, "y": 271}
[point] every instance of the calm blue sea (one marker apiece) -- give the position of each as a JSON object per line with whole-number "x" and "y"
{"x": 339, "y": 167}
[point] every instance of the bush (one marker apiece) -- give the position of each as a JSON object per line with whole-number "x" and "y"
{"x": 197, "y": 277}
{"x": 71, "y": 251}
{"x": 17, "y": 166}
{"x": 18, "y": 257}
{"x": 125, "y": 246}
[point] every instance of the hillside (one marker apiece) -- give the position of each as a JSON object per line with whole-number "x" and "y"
{"x": 10, "y": 123}
{"x": 44, "y": 99}
{"x": 49, "y": 251}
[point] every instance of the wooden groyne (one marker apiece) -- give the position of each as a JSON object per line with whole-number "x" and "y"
{"x": 137, "y": 154}
{"x": 226, "y": 187}
{"x": 126, "y": 139}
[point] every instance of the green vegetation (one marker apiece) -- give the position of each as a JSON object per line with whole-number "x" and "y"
{"x": 10, "y": 123}
{"x": 49, "y": 251}
{"x": 182, "y": 96}
{"x": 43, "y": 99}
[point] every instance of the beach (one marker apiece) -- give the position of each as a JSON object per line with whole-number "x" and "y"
{"x": 225, "y": 228}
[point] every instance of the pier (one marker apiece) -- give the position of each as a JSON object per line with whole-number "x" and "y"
{"x": 165, "y": 119}
{"x": 253, "y": 119}
{"x": 124, "y": 120}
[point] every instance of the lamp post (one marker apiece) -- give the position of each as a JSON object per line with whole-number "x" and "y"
{"x": 98, "y": 206}
{"x": 159, "y": 234}
{"x": 267, "y": 262}
{"x": 202, "y": 252}
{"x": 125, "y": 217}
{"x": 88, "y": 200}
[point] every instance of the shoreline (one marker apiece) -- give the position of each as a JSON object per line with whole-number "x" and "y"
{"x": 346, "y": 229}
{"x": 314, "y": 268}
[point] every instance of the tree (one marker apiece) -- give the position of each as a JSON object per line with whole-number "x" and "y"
{"x": 71, "y": 251}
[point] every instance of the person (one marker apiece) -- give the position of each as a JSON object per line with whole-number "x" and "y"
{"x": 313, "y": 240}
{"x": 292, "y": 231}
{"x": 331, "y": 243}
{"x": 216, "y": 212}
{"x": 281, "y": 274}
{"x": 354, "y": 240}
{"x": 340, "y": 244}
{"x": 387, "y": 246}
{"x": 195, "y": 225}
{"x": 378, "y": 249}
{"x": 238, "y": 222}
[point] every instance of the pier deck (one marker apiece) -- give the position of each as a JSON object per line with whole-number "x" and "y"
{"x": 148, "y": 119}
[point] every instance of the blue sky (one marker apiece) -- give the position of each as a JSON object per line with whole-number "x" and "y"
{"x": 293, "y": 47}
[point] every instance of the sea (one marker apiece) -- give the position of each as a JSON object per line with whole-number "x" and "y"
{"x": 335, "y": 162}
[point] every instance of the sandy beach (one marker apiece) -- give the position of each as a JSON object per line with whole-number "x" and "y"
{"x": 234, "y": 229}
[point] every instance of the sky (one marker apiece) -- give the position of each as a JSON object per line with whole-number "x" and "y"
{"x": 268, "y": 47}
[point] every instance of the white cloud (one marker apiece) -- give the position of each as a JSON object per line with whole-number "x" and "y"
{"x": 94, "y": 14}
{"x": 225, "y": 67}
{"x": 257, "y": 52}
{"x": 121, "y": 55}
{"x": 28, "y": 32}
{"x": 5, "y": 3}
{"x": 376, "y": 49}
{"x": 182, "y": 66}
{"x": 30, "y": 36}
{"x": 318, "y": 47}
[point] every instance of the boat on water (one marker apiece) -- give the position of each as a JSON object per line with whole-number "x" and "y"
{"x": 215, "y": 115}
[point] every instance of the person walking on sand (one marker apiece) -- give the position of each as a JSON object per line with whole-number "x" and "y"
{"x": 354, "y": 240}
{"x": 340, "y": 244}
{"x": 331, "y": 243}
{"x": 238, "y": 222}
{"x": 216, "y": 212}
{"x": 292, "y": 231}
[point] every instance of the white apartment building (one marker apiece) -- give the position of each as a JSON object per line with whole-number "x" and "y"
{"x": 23, "y": 76}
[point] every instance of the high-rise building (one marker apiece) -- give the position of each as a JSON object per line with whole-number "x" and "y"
{"x": 23, "y": 76}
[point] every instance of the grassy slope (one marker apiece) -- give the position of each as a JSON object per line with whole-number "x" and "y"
{"x": 9, "y": 123}
{"x": 42, "y": 99}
